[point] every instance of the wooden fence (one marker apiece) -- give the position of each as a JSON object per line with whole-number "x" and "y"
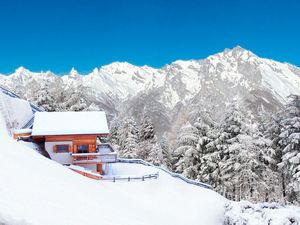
{"x": 131, "y": 178}
{"x": 176, "y": 175}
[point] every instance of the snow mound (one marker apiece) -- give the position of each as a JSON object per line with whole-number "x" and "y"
{"x": 38, "y": 191}
{"x": 17, "y": 111}
{"x": 244, "y": 212}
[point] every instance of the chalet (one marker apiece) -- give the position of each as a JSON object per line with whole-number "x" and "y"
{"x": 74, "y": 138}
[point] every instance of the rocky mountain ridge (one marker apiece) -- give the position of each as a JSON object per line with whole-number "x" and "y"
{"x": 178, "y": 89}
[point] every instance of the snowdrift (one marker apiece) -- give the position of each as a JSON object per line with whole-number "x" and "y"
{"x": 35, "y": 190}
{"x": 244, "y": 212}
{"x": 16, "y": 110}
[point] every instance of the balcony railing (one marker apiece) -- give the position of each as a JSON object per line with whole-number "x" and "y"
{"x": 105, "y": 153}
{"x": 81, "y": 158}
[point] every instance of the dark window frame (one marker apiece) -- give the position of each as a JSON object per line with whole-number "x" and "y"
{"x": 62, "y": 148}
{"x": 83, "y": 148}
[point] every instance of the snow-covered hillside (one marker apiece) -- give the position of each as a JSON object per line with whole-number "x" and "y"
{"x": 16, "y": 111}
{"x": 36, "y": 190}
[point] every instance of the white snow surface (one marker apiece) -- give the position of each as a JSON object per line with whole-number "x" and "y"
{"x": 244, "y": 212}
{"x": 63, "y": 123}
{"x": 36, "y": 190}
{"x": 17, "y": 111}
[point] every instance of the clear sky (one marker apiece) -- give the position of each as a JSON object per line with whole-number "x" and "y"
{"x": 57, "y": 35}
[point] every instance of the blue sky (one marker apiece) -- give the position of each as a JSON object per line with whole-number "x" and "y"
{"x": 57, "y": 35}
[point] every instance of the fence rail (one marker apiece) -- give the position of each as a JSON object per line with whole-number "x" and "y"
{"x": 131, "y": 178}
{"x": 176, "y": 175}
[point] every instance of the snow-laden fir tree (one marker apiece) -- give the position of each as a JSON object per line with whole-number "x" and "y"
{"x": 115, "y": 130}
{"x": 205, "y": 136}
{"x": 245, "y": 174}
{"x": 271, "y": 186}
{"x": 73, "y": 99}
{"x": 128, "y": 139}
{"x": 45, "y": 99}
{"x": 167, "y": 160}
{"x": 214, "y": 158}
{"x": 155, "y": 155}
{"x": 230, "y": 152}
{"x": 246, "y": 160}
{"x": 187, "y": 155}
{"x": 149, "y": 148}
{"x": 290, "y": 145}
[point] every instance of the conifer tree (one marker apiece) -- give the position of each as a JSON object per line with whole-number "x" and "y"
{"x": 290, "y": 145}
{"x": 149, "y": 148}
{"x": 186, "y": 154}
{"x": 128, "y": 139}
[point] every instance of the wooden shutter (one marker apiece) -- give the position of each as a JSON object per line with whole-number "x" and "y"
{"x": 55, "y": 148}
{"x": 70, "y": 148}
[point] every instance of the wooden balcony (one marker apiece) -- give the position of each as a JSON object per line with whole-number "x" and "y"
{"x": 105, "y": 154}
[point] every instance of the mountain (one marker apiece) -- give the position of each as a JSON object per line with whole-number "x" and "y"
{"x": 176, "y": 90}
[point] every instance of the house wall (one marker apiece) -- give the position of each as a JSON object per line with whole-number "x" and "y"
{"x": 73, "y": 141}
{"x": 63, "y": 158}
{"x": 76, "y": 140}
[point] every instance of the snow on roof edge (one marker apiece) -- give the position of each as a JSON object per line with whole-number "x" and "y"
{"x": 69, "y": 123}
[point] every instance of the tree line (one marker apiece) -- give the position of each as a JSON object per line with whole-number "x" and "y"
{"x": 240, "y": 158}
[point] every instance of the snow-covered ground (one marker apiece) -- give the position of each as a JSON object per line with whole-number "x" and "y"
{"x": 36, "y": 190}
{"x": 17, "y": 111}
{"x": 246, "y": 213}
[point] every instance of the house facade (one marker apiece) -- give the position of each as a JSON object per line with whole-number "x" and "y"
{"x": 74, "y": 138}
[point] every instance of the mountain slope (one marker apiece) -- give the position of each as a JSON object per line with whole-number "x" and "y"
{"x": 260, "y": 85}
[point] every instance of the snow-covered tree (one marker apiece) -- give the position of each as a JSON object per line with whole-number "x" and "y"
{"x": 167, "y": 160}
{"x": 74, "y": 100}
{"x": 244, "y": 173}
{"x": 290, "y": 145}
{"x": 128, "y": 139}
{"x": 187, "y": 154}
{"x": 156, "y": 155}
{"x": 149, "y": 148}
{"x": 115, "y": 132}
{"x": 205, "y": 136}
{"x": 216, "y": 151}
{"x": 45, "y": 99}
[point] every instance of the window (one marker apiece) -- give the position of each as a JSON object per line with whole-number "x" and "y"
{"x": 83, "y": 148}
{"x": 61, "y": 148}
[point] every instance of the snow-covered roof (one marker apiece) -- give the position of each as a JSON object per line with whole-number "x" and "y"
{"x": 64, "y": 123}
{"x": 22, "y": 131}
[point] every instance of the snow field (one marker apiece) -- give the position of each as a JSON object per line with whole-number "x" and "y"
{"x": 38, "y": 191}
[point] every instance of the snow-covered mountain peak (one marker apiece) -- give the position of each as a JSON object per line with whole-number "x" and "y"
{"x": 74, "y": 73}
{"x": 119, "y": 68}
{"x": 220, "y": 77}
{"x": 22, "y": 71}
{"x": 235, "y": 54}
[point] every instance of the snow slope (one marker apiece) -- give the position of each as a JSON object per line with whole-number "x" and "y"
{"x": 17, "y": 111}
{"x": 36, "y": 190}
